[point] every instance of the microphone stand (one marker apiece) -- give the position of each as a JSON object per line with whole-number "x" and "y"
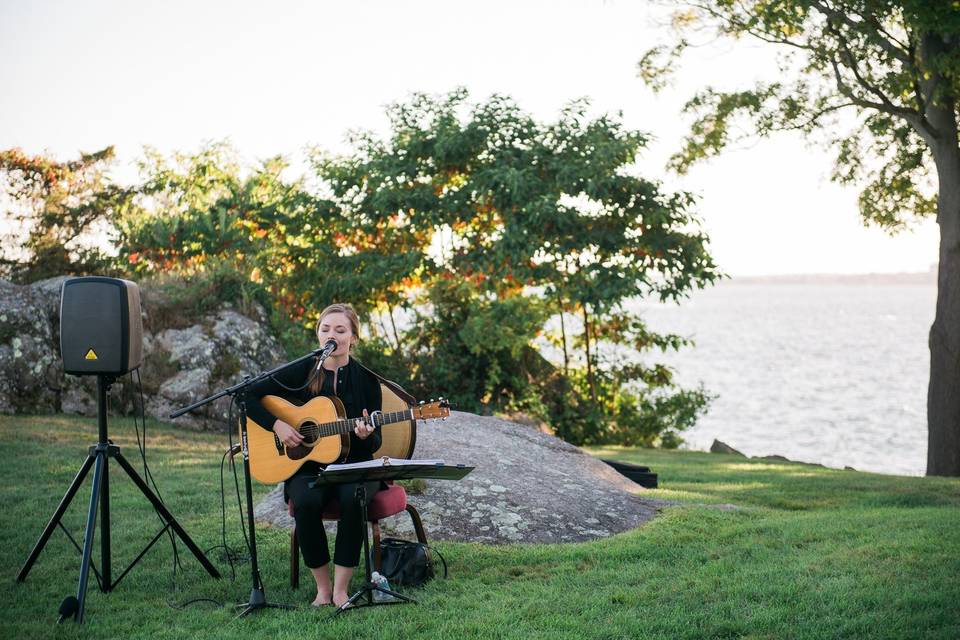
{"x": 239, "y": 391}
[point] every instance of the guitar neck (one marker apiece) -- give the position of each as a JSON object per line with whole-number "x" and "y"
{"x": 338, "y": 427}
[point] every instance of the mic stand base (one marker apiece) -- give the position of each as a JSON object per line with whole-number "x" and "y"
{"x": 258, "y": 601}
{"x": 367, "y": 590}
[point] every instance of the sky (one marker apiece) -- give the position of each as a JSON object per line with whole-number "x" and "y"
{"x": 276, "y": 77}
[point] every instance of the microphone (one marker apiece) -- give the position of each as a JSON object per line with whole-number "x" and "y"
{"x": 329, "y": 347}
{"x": 68, "y": 608}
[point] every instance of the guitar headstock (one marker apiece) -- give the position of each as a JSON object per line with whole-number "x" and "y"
{"x": 432, "y": 410}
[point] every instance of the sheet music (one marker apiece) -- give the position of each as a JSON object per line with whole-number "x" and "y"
{"x": 382, "y": 462}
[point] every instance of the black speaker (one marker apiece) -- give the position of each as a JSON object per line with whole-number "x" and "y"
{"x": 101, "y": 331}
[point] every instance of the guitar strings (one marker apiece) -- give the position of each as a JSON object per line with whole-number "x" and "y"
{"x": 343, "y": 426}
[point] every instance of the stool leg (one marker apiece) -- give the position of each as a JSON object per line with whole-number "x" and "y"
{"x": 377, "y": 564}
{"x": 417, "y": 524}
{"x": 294, "y": 560}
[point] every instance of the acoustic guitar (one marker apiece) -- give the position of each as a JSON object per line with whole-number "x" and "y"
{"x": 325, "y": 429}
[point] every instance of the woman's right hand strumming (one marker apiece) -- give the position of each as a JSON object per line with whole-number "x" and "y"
{"x": 287, "y": 434}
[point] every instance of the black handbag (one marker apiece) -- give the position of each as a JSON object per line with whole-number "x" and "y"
{"x": 409, "y": 564}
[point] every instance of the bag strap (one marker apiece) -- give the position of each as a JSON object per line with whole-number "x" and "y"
{"x": 439, "y": 555}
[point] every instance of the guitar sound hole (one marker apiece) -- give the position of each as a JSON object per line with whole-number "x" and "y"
{"x": 310, "y": 432}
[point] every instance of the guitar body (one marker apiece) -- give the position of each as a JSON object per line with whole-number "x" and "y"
{"x": 326, "y": 432}
{"x": 271, "y": 461}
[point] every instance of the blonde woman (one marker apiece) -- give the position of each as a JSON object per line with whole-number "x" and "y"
{"x": 359, "y": 391}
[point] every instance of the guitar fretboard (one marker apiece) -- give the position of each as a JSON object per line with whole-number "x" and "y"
{"x": 312, "y": 430}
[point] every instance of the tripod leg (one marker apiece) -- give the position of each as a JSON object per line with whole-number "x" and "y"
{"x": 349, "y": 603}
{"x": 166, "y": 515}
{"x": 394, "y": 594}
{"x": 105, "y": 583}
{"x": 55, "y": 519}
{"x": 88, "y": 534}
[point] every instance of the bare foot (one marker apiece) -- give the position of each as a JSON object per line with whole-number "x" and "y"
{"x": 322, "y": 600}
{"x": 339, "y": 598}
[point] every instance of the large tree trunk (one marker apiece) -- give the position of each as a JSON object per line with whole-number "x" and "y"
{"x": 943, "y": 394}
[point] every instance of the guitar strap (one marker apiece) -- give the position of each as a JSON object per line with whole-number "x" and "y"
{"x": 389, "y": 384}
{"x": 404, "y": 396}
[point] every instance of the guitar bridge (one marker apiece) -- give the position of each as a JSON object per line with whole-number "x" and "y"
{"x": 278, "y": 444}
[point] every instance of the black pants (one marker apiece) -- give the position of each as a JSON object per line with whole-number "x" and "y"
{"x": 308, "y": 506}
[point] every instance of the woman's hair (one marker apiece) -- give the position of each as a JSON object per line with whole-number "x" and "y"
{"x": 317, "y": 383}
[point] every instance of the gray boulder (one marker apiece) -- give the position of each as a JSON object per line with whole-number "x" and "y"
{"x": 31, "y": 374}
{"x": 527, "y": 487}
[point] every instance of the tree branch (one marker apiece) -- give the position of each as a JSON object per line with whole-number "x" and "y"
{"x": 914, "y": 118}
{"x": 851, "y": 64}
{"x": 816, "y": 116}
{"x": 760, "y": 35}
{"x": 850, "y": 95}
{"x": 885, "y": 44}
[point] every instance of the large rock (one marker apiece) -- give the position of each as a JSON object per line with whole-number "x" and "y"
{"x": 181, "y": 365}
{"x": 31, "y": 373}
{"x": 527, "y": 487}
{"x": 722, "y": 447}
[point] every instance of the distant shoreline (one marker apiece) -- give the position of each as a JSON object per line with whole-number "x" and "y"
{"x": 928, "y": 277}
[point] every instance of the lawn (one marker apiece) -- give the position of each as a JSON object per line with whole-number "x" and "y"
{"x": 804, "y": 552}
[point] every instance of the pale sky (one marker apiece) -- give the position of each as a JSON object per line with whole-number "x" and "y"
{"x": 275, "y": 77}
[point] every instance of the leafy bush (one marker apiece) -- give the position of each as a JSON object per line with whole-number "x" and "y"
{"x": 478, "y": 222}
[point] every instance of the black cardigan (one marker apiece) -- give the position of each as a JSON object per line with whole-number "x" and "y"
{"x": 357, "y": 388}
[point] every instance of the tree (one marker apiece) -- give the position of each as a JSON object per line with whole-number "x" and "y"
{"x": 505, "y": 222}
{"x": 60, "y": 208}
{"x": 895, "y": 66}
{"x": 204, "y": 215}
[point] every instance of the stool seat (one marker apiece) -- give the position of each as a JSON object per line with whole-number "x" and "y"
{"x": 385, "y": 503}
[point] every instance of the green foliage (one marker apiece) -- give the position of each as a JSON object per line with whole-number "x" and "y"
{"x": 468, "y": 347}
{"x": 894, "y": 63}
{"x": 177, "y": 298}
{"x": 198, "y": 214}
{"x": 60, "y": 207}
{"x": 381, "y": 356}
{"x": 503, "y": 223}
{"x": 295, "y": 337}
{"x": 478, "y": 224}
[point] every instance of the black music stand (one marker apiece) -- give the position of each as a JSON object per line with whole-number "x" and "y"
{"x": 389, "y": 469}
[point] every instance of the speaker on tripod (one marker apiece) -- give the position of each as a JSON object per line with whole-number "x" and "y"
{"x": 101, "y": 334}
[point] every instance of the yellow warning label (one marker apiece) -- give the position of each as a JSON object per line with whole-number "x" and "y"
{"x": 91, "y": 355}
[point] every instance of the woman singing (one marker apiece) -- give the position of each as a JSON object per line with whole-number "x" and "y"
{"x": 359, "y": 391}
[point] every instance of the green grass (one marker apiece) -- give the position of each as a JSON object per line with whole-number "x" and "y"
{"x": 807, "y": 553}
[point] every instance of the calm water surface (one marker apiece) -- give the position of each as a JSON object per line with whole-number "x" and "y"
{"x": 828, "y": 373}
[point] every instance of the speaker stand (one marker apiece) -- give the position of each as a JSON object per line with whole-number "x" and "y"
{"x": 98, "y": 457}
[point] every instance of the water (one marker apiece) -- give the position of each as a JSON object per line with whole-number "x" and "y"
{"x": 828, "y": 373}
